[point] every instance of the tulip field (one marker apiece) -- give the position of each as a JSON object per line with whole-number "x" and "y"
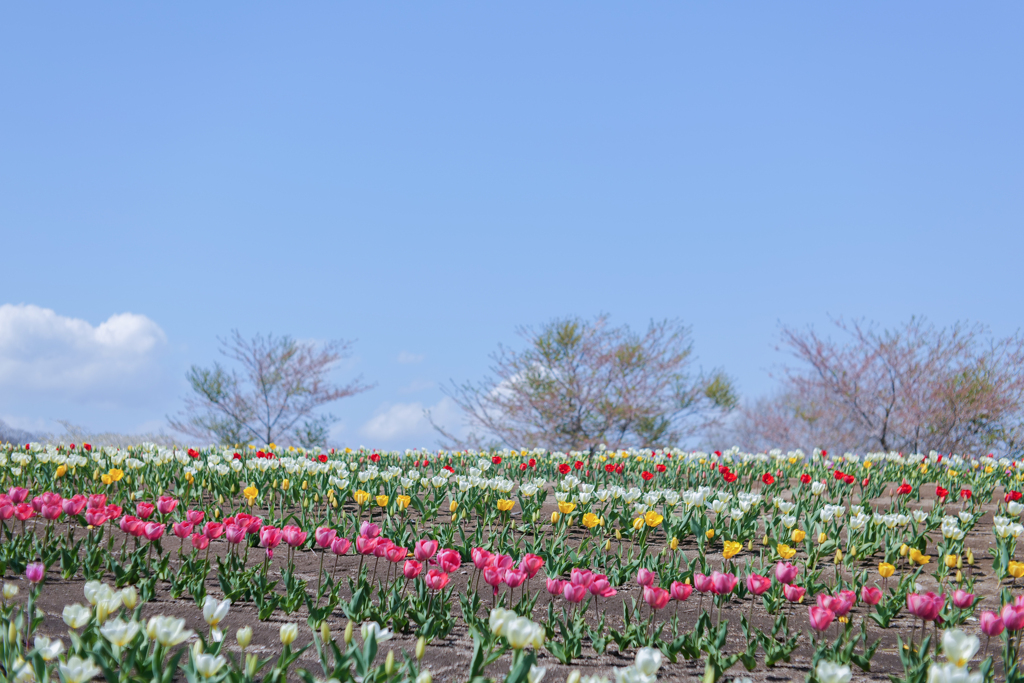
{"x": 280, "y": 564}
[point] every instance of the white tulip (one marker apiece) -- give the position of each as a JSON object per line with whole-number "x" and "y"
{"x": 374, "y": 629}
{"x": 167, "y": 631}
{"x": 648, "y": 660}
{"x": 208, "y": 665}
{"x": 78, "y": 670}
{"x": 48, "y": 649}
{"x": 118, "y": 632}
{"x": 959, "y": 647}
{"x": 829, "y": 672}
{"x": 536, "y": 673}
{"x": 76, "y": 616}
{"x": 215, "y": 610}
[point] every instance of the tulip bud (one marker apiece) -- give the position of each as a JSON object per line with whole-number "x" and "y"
{"x": 348, "y": 633}
{"x": 970, "y": 557}
{"x": 251, "y": 666}
{"x": 425, "y": 677}
{"x": 453, "y": 506}
{"x": 325, "y": 632}
{"x": 607, "y": 544}
{"x": 618, "y": 535}
{"x": 421, "y": 647}
{"x": 574, "y": 676}
{"x": 764, "y": 540}
{"x": 554, "y": 517}
{"x": 750, "y": 544}
{"x": 10, "y": 590}
{"x": 389, "y": 663}
{"x": 197, "y": 648}
{"x": 12, "y": 632}
{"x": 244, "y": 636}
{"x": 839, "y": 555}
{"x": 951, "y": 561}
{"x": 535, "y": 516}
{"x": 129, "y": 597}
{"x": 822, "y": 537}
{"x": 904, "y": 550}
{"x": 675, "y": 546}
{"x": 959, "y": 576}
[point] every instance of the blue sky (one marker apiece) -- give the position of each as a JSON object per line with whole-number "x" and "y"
{"x": 425, "y": 177}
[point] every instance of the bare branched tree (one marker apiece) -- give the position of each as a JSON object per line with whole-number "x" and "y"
{"x": 275, "y": 398}
{"x": 581, "y": 383}
{"x": 914, "y": 388}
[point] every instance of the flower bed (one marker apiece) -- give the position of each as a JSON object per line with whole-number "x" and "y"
{"x": 272, "y": 564}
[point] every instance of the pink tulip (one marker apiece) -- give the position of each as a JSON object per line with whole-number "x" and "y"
{"x": 758, "y": 584}
{"x": 871, "y": 595}
{"x": 681, "y": 591}
{"x": 144, "y": 510}
{"x": 581, "y": 577}
{"x": 481, "y": 558}
{"x": 235, "y": 534}
{"x": 655, "y": 597}
{"x": 645, "y": 577}
{"x": 369, "y": 529}
{"x": 52, "y": 512}
{"x": 17, "y": 494}
{"x": 963, "y": 599}
{"x": 6, "y": 511}
{"x": 153, "y": 530}
{"x": 502, "y": 562}
{"x": 786, "y": 572}
{"x": 340, "y": 546}
{"x": 925, "y": 606}
{"x": 75, "y": 504}
{"x": 412, "y": 569}
{"x": 365, "y": 545}
{"x": 165, "y": 505}
{"x": 601, "y": 587}
{"x": 436, "y": 579}
{"x": 493, "y": 577}
{"x": 396, "y": 553}
{"x": 702, "y": 583}
{"x": 424, "y": 549}
{"x": 95, "y": 517}
{"x": 214, "y": 530}
{"x": 97, "y": 501}
{"x": 131, "y": 525}
{"x": 723, "y": 584}
{"x": 194, "y": 517}
{"x": 532, "y": 563}
{"x": 24, "y": 512}
{"x": 182, "y": 529}
{"x": 35, "y": 572}
{"x": 382, "y": 547}
{"x": 991, "y": 624}
{"x": 293, "y": 535}
{"x": 324, "y": 536}
{"x": 113, "y": 511}
{"x": 574, "y": 593}
{"x": 200, "y": 541}
{"x": 270, "y": 537}
{"x": 821, "y": 617}
{"x": 514, "y": 578}
{"x": 449, "y": 559}
{"x": 1012, "y": 616}
{"x": 793, "y": 593}
{"x": 555, "y": 586}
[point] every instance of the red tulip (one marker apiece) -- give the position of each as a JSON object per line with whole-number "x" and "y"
{"x": 24, "y": 512}
{"x": 436, "y": 579}
{"x": 17, "y": 494}
{"x": 871, "y": 595}
{"x": 581, "y": 577}
{"x": 655, "y": 597}
{"x": 293, "y": 535}
{"x": 1012, "y": 616}
{"x": 821, "y": 617}
{"x": 235, "y": 534}
{"x": 723, "y": 584}
{"x": 424, "y": 549}
{"x": 758, "y": 584}
{"x": 601, "y": 587}
{"x": 481, "y": 557}
{"x": 97, "y": 501}
{"x": 412, "y": 569}
{"x": 681, "y": 591}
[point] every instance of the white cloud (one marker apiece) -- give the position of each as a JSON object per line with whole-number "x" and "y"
{"x": 407, "y": 422}
{"x": 53, "y": 356}
{"x": 407, "y": 357}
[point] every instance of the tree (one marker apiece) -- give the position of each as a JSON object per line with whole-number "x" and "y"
{"x": 581, "y": 383}
{"x": 274, "y": 400}
{"x": 913, "y": 389}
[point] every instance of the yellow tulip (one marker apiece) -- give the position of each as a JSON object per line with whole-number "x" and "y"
{"x": 382, "y": 501}
{"x": 590, "y": 520}
{"x": 839, "y": 555}
{"x": 904, "y": 549}
{"x": 285, "y": 483}
{"x": 638, "y": 523}
{"x": 61, "y": 471}
{"x": 565, "y": 507}
{"x": 822, "y": 537}
{"x": 951, "y": 561}
{"x": 785, "y": 552}
{"x": 653, "y": 519}
{"x": 116, "y": 474}
{"x": 361, "y": 497}
{"x": 885, "y": 569}
{"x": 403, "y": 501}
{"x": 505, "y": 505}
{"x": 674, "y": 544}
{"x": 731, "y": 548}
{"x": 1015, "y": 569}
{"x": 250, "y": 493}
{"x": 710, "y": 533}
{"x": 106, "y": 479}
{"x": 555, "y": 517}
{"x": 453, "y": 506}
{"x": 798, "y": 535}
